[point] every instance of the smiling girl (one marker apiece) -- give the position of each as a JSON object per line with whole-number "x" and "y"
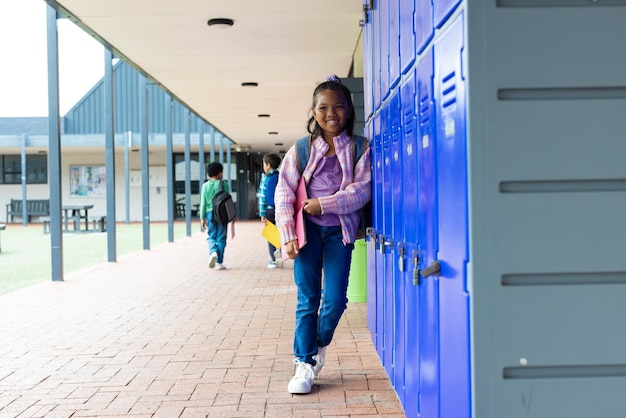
{"x": 337, "y": 189}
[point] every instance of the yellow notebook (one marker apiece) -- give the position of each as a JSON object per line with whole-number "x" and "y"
{"x": 271, "y": 234}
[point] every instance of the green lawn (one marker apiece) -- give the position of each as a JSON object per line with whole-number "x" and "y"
{"x": 26, "y": 256}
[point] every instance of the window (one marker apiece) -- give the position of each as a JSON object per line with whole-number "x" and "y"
{"x": 11, "y": 169}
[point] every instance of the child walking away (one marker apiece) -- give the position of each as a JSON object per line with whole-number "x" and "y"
{"x": 216, "y": 232}
{"x": 337, "y": 189}
{"x": 267, "y": 189}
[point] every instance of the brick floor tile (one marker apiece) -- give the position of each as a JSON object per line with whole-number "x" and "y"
{"x": 157, "y": 334}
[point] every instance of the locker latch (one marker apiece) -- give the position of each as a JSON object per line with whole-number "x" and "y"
{"x": 434, "y": 268}
{"x": 386, "y": 242}
{"x": 381, "y": 243}
{"x": 401, "y": 255}
{"x": 371, "y": 233}
{"x": 416, "y": 270}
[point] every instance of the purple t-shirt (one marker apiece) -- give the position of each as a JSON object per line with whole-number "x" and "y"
{"x": 325, "y": 182}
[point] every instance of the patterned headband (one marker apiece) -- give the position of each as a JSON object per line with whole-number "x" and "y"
{"x": 333, "y": 78}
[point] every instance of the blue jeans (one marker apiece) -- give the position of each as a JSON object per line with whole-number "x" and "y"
{"x": 324, "y": 252}
{"x": 216, "y": 237}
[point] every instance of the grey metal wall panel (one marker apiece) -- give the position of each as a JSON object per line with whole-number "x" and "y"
{"x": 548, "y": 191}
{"x": 87, "y": 116}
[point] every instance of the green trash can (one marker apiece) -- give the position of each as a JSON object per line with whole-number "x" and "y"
{"x": 357, "y": 281}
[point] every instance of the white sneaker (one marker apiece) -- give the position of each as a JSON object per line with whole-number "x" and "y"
{"x": 302, "y": 380}
{"x": 212, "y": 260}
{"x": 271, "y": 265}
{"x": 278, "y": 259}
{"x": 220, "y": 266}
{"x": 319, "y": 358}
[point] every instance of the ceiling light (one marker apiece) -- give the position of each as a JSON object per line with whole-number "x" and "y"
{"x": 220, "y": 22}
{"x": 279, "y": 144}
{"x": 264, "y": 115}
{"x": 272, "y": 133}
{"x": 249, "y": 84}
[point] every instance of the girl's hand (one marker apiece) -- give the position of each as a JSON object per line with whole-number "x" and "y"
{"x": 312, "y": 207}
{"x": 291, "y": 248}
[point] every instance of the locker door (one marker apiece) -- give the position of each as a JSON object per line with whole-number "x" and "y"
{"x": 377, "y": 57}
{"x": 387, "y": 246}
{"x": 453, "y": 222}
{"x": 406, "y": 260}
{"x": 383, "y": 34}
{"x": 427, "y": 240}
{"x": 407, "y": 35}
{"x": 442, "y": 10}
{"x": 394, "y": 43}
{"x": 368, "y": 67}
{"x": 372, "y": 239}
{"x": 397, "y": 181}
{"x": 423, "y": 23}
{"x": 377, "y": 208}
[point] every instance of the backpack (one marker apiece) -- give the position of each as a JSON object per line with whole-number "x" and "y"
{"x": 223, "y": 207}
{"x": 303, "y": 152}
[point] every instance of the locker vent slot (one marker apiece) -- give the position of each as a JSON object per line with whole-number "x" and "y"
{"x": 424, "y": 110}
{"x": 563, "y": 186}
{"x": 558, "y": 3}
{"x": 561, "y": 372}
{"x": 560, "y": 279}
{"x": 563, "y": 93}
{"x": 448, "y": 91}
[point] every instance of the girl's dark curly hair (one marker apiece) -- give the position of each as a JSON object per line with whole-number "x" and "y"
{"x": 331, "y": 83}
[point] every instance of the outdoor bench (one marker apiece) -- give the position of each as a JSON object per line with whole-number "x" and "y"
{"x": 34, "y": 207}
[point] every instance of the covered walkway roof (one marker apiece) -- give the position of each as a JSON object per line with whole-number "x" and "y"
{"x": 285, "y": 46}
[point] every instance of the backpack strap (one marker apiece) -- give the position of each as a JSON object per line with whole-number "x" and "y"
{"x": 303, "y": 150}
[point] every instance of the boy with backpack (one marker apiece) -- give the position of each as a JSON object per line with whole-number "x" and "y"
{"x": 267, "y": 213}
{"x": 216, "y": 211}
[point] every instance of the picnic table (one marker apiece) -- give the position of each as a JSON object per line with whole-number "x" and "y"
{"x": 76, "y": 213}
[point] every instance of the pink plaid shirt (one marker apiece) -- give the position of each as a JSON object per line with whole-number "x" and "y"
{"x": 354, "y": 191}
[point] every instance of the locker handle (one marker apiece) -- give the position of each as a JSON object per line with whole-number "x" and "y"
{"x": 372, "y": 234}
{"x": 434, "y": 268}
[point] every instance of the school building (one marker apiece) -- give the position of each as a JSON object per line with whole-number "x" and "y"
{"x": 495, "y": 275}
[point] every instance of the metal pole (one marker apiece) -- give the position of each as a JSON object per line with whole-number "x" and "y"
{"x": 54, "y": 147}
{"x": 212, "y": 144}
{"x": 169, "y": 168}
{"x": 188, "y": 171}
{"x": 127, "y": 145}
{"x": 201, "y": 164}
{"x": 23, "y": 180}
{"x": 109, "y": 123}
{"x": 145, "y": 167}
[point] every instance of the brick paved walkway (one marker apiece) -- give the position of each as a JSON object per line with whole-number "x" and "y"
{"x": 158, "y": 334}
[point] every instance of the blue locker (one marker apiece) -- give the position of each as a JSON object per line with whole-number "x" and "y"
{"x": 442, "y": 9}
{"x": 394, "y": 43}
{"x": 406, "y": 263}
{"x": 407, "y": 36}
{"x": 387, "y": 245}
{"x": 427, "y": 240}
{"x": 453, "y": 221}
{"x": 397, "y": 207}
{"x": 376, "y": 57}
{"x": 423, "y": 23}
{"x": 368, "y": 68}
{"x": 371, "y": 240}
{"x": 383, "y": 34}
{"x": 377, "y": 162}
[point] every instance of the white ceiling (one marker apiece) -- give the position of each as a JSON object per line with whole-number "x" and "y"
{"x": 287, "y": 46}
